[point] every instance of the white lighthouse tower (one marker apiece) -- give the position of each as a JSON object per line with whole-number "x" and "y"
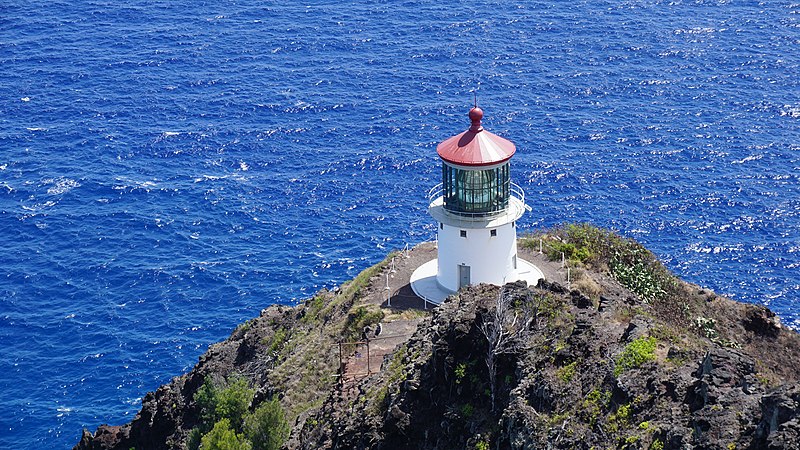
{"x": 476, "y": 207}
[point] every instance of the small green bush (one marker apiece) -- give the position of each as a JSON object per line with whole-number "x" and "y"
{"x": 313, "y": 308}
{"x": 620, "y": 418}
{"x": 225, "y": 405}
{"x": 707, "y": 326}
{"x": 566, "y": 373}
{"x": 460, "y": 371}
{"x": 229, "y": 400}
{"x": 234, "y": 400}
{"x": 193, "y": 440}
{"x": 636, "y": 353}
{"x": 594, "y": 404}
{"x": 277, "y": 342}
{"x": 267, "y": 427}
{"x": 638, "y": 271}
{"x": 223, "y": 437}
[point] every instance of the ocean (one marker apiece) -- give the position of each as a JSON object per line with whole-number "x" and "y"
{"x": 170, "y": 168}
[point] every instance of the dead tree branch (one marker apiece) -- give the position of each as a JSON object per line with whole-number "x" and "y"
{"x": 507, "y": 330}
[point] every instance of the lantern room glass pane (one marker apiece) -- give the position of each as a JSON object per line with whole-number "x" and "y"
{"x": 475, "y": 192}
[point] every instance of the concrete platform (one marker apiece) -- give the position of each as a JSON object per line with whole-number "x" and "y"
{"x": 424, "y": 284}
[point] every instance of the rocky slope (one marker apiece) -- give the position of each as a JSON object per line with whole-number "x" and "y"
{"x": 565, "y": 389}
{"x": 608, "y": 362}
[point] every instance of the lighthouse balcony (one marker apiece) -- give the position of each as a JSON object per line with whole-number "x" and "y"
{"x": 487, "y": 214}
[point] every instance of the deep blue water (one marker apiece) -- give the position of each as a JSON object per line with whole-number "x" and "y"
{"x": 170, "y": 168}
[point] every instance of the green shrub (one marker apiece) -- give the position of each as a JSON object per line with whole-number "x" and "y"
{"x": 234, "y": 400}
{"x": 223, "y": 437}
{"x": 226, "y": 406}
{"x": 622, "y": 415}
{"x": 636, "y": 353}
{"x": 628, "y": 261}
{"x": 460, "y": 372}
{"x": 707, "y": 326}
{"x": 193, "y": 440}
{"x": 230, "y": 400}
{"x": 594, "y": 404}
{"x": 467, "y": 410}
{"x": 313, "y": 308}
{"x": 267, "y": 427}
{"x": 206, "y": 399}
{"x": 566, "y": 373}
{"x": 277, "y": 342}
{"x": 638, "y": 270}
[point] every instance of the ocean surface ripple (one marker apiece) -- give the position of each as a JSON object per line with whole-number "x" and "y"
{"x": 168, "y": 169}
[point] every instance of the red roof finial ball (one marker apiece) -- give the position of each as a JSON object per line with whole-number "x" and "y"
{"x": 475, "y": 115}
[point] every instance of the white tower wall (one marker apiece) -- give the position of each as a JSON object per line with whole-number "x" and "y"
{"x": 488, "y": 259}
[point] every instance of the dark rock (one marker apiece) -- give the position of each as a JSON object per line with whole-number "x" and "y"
{"x": 780, "y": 418}
{"x": 580, "y": 300}
{"x": 637, "y": 328}
{"x": 762, "y": 321}
{"x": 551, "y": 286}
{"x": 106, "y": 437}
{"x": 539, "y": 396}
{"x": 397, "y": 420}
{"x": 724, "y": 399}
{"x": 603, "y": 303}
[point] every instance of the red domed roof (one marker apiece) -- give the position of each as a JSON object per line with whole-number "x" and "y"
{"x": 476, "y": 146}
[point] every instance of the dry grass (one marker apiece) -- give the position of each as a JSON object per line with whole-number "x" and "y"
{"x": 587, "y": 286}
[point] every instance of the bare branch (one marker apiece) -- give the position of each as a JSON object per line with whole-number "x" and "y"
{"x": 505, "y": 333}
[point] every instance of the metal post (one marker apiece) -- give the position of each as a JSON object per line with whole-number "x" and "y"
{"x": 367, "y": 356}
{"x": 387, "y": 289}
{"x": 540, "y": 246}
{"x": 341, "y": 364}
{"x": 569, "y": 284}
{"x": 562, "y": 260}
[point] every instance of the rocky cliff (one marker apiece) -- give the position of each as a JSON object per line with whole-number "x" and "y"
{"x": 622, "y": 356}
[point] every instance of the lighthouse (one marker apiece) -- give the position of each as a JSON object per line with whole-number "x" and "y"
{"x": 476, "y": 208}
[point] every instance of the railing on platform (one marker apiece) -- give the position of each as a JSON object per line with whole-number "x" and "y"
{"x": 515, "y": 192}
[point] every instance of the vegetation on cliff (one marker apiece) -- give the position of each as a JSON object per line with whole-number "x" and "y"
{"x": 625, "y": 355}
{"x": 226, "y": 421}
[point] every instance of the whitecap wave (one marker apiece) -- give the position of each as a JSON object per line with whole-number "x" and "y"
{"x": 62, "y": 186}
{"x": 791, "y": 111}
{"x": 748, "y": 158}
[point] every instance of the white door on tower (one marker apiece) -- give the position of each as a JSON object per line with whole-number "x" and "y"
{"x": 463, "y": 276}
